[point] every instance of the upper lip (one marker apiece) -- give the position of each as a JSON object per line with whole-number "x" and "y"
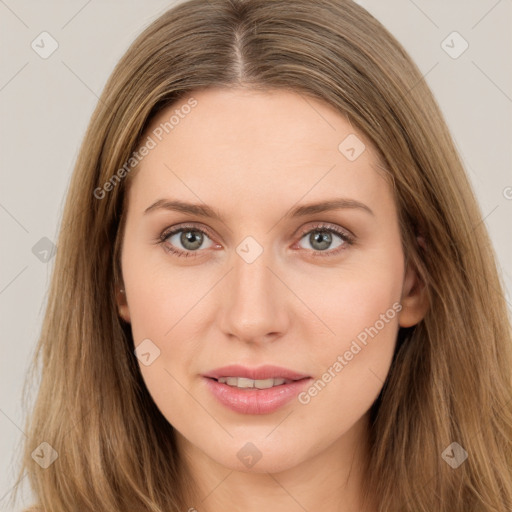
{"x": 259, "y": 373}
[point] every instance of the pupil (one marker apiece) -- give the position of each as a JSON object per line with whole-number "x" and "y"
{"x": 191, "y": 237}
{"x": 324, "y": 239}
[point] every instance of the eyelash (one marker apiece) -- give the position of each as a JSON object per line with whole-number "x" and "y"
{"x": 323, "y": 228}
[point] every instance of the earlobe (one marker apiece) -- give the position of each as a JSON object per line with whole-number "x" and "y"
{"x": 414, "y": 300}
{"x": 122, "y": 304}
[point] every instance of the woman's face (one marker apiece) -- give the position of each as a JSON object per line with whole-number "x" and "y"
{"x": 259, "y": 277}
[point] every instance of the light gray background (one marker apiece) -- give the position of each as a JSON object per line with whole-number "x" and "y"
{"x": 45, "y": 106}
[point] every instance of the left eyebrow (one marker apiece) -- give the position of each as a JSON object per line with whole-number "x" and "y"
{"x": 203, "y": 210}
{"x": 325, "y": 206}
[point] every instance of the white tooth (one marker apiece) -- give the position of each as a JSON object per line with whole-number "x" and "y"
{"x": 245, "y": 383}
{"x": 264, "y": 384}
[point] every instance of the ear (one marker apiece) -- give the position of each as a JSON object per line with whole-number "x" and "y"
{"x": 414, "y": 299}
{"x": 122, "y": 304}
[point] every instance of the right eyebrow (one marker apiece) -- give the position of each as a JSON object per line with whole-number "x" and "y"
{"x": 180, "y": 206}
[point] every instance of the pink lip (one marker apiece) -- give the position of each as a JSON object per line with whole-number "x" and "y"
{"x": 255, "y": 401}
{"x": 260, "y": 373}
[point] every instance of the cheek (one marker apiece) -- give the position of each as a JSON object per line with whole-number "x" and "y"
{"x": 158, "y": 295}
{"x": 165, "y": 308}
{"x": 162, "y": 310}
{"x": 361, "y": 307}
{"x": 349, "y": 299}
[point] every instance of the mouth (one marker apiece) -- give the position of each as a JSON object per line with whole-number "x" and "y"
{"x": 260, "y": 390}
{"x": 245, "y": 383}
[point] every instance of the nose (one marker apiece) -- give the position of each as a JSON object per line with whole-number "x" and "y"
{"x": 254, "y": 303}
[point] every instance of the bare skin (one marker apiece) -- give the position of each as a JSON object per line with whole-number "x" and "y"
{"x": 252, "y": 157}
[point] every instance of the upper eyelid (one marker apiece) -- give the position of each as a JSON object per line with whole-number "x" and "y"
{"x": 176, "y": 229}
{"x": 328, "y": 226}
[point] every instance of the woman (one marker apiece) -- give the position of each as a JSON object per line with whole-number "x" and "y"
{"x": 273, "y": 287}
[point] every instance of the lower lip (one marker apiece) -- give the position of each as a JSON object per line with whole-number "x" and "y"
{"x": 255, "y": 401}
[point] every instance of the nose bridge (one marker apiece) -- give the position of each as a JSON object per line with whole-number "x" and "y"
{"x": 252, "y": 281}
{"x": 254, "y": 305}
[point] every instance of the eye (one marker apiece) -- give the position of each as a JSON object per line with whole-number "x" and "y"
{"x": 322, "y": 237}
{"x": 185, "y": 240}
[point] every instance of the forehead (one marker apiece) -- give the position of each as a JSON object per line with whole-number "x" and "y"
{"x": 253, "y": 148}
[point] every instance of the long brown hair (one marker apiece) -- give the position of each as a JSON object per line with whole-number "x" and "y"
{"x": 450, "y": 379}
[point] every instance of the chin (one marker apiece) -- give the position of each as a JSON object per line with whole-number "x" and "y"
{"x": 257, "y": 456}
